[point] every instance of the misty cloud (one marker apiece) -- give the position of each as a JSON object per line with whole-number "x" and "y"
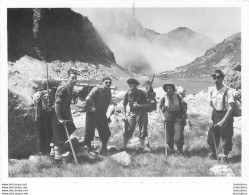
{"x": 135, "y": 52}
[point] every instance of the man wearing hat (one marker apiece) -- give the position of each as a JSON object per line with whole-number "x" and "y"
{"x": 173, "y": 112}
{"x": 138, "y": 103}
{"x": 62, "y": 115}
{"x": 220, "y": 117}
{"x": 97, "y": 103}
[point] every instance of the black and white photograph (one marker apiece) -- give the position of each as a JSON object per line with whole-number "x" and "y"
{"x": 124, "y": 92}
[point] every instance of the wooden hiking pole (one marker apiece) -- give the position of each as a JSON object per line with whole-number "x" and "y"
{"x": 165, "y": 137}
{"x": 71, "y": 145}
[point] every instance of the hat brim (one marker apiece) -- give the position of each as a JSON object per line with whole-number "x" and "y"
{"x": 130, "y": 81}
{"x": 168, "y": 84}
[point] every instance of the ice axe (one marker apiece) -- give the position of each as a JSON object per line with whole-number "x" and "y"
{"x": 70, "y": 142}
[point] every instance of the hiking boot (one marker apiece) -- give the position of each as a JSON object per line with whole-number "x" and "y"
{"x": 57, "y": 154}
{"x": 140, "y": 150}
{"x": 171, "y": 151}
{"x": 86, "y": 143}
{"x": 223, "y": 159}
{"x": 52, "y": 152}
{"x": 179, "y": 151}
{"x": 122, "y": 149}
{"x": 212, "y": 156}
{"x": 67, "y": 157}
{"x": 103, "y": 151}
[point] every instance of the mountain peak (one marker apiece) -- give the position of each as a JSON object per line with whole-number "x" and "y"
{"x": 182, "y": 30}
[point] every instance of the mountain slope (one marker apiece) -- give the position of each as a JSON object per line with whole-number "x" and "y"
{"x": 185, "y": 39}
{"x": 225, "y": 56}
{"x": 55, "y": 34}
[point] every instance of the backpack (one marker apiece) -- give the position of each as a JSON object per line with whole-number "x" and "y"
{"x": 47, "y": 99}
{"x": 153, "y": 102}
{"x": 237, "y": 102}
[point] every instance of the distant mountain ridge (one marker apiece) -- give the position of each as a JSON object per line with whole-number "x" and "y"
{"x": 185, "y": 39}
{"x": 225, "y": 56}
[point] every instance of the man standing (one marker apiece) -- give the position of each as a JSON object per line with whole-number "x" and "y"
{"x": 62, "y": 115}
{"x": 138, "y": 103}
{"x": 97, "y": 103}
{"x": 221, "y": 119}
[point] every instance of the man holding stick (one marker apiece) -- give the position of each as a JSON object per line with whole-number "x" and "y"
{"x": 62, "y": 115}
{"x": 221, "y": 120}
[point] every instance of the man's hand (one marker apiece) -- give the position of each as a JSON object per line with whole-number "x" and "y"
{"x": 62, "y": 121}
{"x": 136, "y": 105}
{"x": 210, "y": 122}
{"x": 187, "y": 128}
{"x": 91, "y": 109}
{"x": 220, "y": 124}
{"x": 125, "y": 118}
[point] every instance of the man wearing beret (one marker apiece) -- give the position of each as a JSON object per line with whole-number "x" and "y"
{"x": 62, "y": 115}
{"x": 138, "y": 103}
{"x": 220, "y": 118}
{"x": 97, "y": 103}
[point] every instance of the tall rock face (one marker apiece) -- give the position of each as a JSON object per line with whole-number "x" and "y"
{"x": 55, "y": 34}
{"x": 225, "y": 56}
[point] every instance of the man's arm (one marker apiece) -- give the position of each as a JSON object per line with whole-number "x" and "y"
{"x": 125, "y": 102}
{"x": 230, "y": 109}
{"x": 60, "y": 96}
{"x": 145, "y": 103}
{"x": 89, "y": 100}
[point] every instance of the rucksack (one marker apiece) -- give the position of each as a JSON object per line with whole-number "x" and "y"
{"x": 47, "y": 99}
{"x": 153, "y": 102}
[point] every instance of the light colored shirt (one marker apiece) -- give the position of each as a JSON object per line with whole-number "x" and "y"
{"x": 170, "y": 103}
{"x": 216, "y": 97}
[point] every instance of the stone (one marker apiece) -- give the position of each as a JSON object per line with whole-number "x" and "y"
{"x": 34, "y": 159}
{"x": 221, "y": 170}
{"x": 122, "y": 158}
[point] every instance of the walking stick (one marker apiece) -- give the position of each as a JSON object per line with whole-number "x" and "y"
{"x": 164, "y": 127}
{"x": 71, "y": 145}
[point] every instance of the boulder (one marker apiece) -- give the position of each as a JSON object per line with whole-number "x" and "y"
{"x": 122, "y": 158}
{"x": 221, "y": 170}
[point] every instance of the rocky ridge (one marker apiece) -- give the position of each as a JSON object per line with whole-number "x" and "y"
{"x": 225, "y": 56}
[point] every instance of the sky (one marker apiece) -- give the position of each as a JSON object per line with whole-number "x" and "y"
{"x": 216, "y": 23}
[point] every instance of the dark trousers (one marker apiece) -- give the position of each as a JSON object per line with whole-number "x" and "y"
{"x": 174, "y": 129}
{"x": 45, "y": 131}
{"x": 217, "y": 133}
{"x": 59, "y": 132}
{"x": 97, "y": 120}
{"x": 133, "y": 120}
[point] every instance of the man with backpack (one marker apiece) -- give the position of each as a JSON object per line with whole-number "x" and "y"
{"x": 221, "y": 117}
{"x": 174, "y": 114}
{"x": 43, "y": 101}
{"x": 139, "y": 103}
{"x": 97, "y": 103}
{"x": 62, "y": 115}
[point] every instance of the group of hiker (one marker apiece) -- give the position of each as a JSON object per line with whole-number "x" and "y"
{"x": 172, "y": 109}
